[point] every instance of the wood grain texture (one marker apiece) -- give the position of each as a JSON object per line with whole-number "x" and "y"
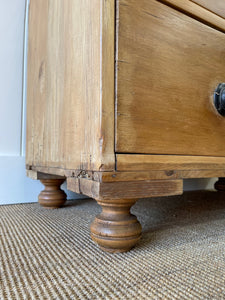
{"x": 49, "y": 170}
{"x": 132, "y": 175}
{"x": 168, "y": 66}
{"x": 38, "y": 175}
{"x": 115, "y": 229}
{"x": 202, "y": 13}
{"x": 132, "y": 162}
{"x": 216, "y": 6}
{"x": 70, "y": 95}
{"x": 126, "y": 189}
{"x": 40, "y": 172}
{"x": 157, "y": 175}
{"x": 52, "y": 196}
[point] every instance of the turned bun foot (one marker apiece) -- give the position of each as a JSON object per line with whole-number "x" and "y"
{"x": 52, "y": 196}
{"x": 116, "y": 229}
{"x": 220, "y": 184}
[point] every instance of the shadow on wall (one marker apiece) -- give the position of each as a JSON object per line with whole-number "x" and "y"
{"x": 199, "y": 184}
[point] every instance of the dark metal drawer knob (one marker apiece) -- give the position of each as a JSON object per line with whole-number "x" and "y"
{"x": 219, "y": 98}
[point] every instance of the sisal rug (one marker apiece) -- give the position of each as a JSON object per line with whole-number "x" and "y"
{"x": 48, "y": 254}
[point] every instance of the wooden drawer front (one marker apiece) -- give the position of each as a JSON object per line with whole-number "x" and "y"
{"x": 168, "y": 66}
{"x": 216, "y": 6}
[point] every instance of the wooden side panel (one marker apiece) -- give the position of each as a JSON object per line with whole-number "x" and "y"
{"x": 168, "y": 67}
{"x": 70, "y": 96}
{"x": 216, "y": 6}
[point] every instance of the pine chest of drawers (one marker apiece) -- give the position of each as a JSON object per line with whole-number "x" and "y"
{"x": 125, "y": 99}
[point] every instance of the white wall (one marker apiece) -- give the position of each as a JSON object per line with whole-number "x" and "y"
{"x": 15, "y": 186}
{"x": 12, "y": 162}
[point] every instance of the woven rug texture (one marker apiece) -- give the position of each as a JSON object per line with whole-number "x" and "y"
{"x": 48, "y": 254}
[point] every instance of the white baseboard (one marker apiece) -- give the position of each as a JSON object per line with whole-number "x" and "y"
{"x": 16, "y": 187}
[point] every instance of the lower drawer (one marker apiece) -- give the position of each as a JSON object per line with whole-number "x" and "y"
{"x": 168, "y": 66}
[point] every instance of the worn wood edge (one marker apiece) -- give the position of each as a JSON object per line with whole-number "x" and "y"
{"x": 106, "y": 142}
{"x": 125, "y": 190}
{"x": 141, "y": 162}
{"x": 39, "y": 176}
{"x": 106, "y": 153}
{"x": 83, "y": 186}
{"x": 115, "y": 176}
{"x": 157, "y": 175}
{"x": 66, "y": 172}
{"x": 46, "y": 170}
{"x": 198, "y": 12}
